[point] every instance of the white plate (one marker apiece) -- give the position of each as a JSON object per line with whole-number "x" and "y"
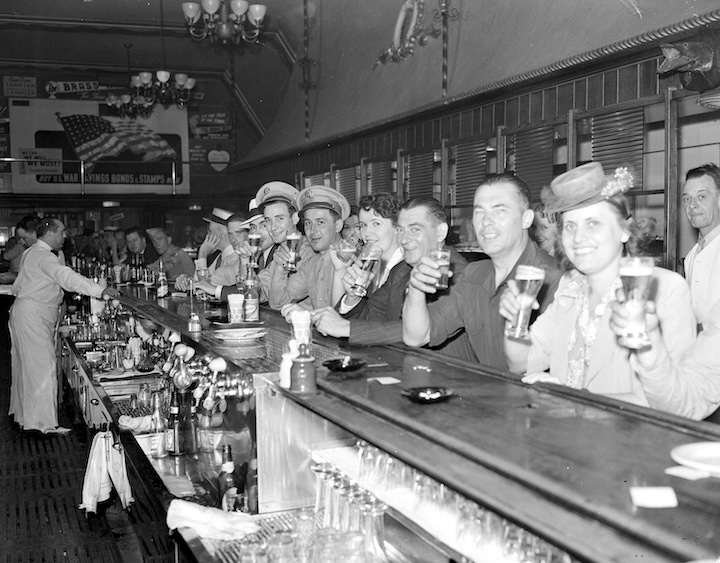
{"x": 700, "y": 455}
{"x": 240, "y": 333}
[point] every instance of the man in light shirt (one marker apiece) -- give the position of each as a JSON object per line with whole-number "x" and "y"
{"x": 34, "y": 317}
{"x": 701, "y": 203}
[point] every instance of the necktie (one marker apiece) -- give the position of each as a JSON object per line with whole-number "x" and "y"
{"x": 218, "y": 262}
{"x": 272, "y": 254}
{"x": 701, "y": 243}
{"x": 261, "y": 261}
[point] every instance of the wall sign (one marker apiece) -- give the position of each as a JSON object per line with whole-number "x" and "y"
{"x": 41, "y": 161}
{"x": 19, "y": 86}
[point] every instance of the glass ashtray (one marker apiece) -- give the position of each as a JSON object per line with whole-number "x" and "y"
{"x": 345, "y": 364}
{"x": 428, "y": 394}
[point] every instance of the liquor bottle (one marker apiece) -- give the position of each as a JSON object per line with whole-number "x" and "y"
{"x": 228, "y": 481}
{"x": 190, "y": 429}
{"x": 133, "y": 273}
{"x": 251, "y": 304}
{"x": 251, "y": 486}
{"x": 162, "y": 284}
{"x": 174, "y": 436}
{"x": 159, "y": 425}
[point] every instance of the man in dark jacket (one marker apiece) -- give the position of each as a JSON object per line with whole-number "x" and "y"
{"x": 422, "y": 228}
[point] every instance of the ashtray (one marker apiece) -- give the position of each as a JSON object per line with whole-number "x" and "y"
{"x": 344, "y": 364}
{"x": 428, "y": 394}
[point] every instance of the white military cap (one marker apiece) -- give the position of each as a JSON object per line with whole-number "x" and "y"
{"x": 322, "y": 197}
{"x": 273, "y": 192}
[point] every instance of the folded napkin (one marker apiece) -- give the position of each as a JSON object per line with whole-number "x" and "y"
{"x": 212, "y": 523}
{"x": 137, "y": 424}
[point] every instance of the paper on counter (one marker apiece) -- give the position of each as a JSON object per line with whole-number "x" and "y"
{"x": 653, "y": 497}
{"x": 209, "y": 522}
{"x": 386, "y": 380}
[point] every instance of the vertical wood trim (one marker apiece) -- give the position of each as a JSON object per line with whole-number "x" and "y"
{"x": 571, "y": 140}
{"x": 671, "y": 180}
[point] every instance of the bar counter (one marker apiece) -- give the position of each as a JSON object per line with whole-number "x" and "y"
{"x": 557, "y": 462}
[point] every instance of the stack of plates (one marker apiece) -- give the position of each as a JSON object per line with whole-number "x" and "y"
{"x": 239, "y": 336}
{"x": 704, "y": 456}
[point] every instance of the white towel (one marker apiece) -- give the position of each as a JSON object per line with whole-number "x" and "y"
{"x": 105, "y": 468}
{"x": 210, "y": 523}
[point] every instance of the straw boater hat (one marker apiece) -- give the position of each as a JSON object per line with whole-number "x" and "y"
{"x": 583, "y": 186}
{"x": 219, "y": 216}
{"x": 254, "y": 215}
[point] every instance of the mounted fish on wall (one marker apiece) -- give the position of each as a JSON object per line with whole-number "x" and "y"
{"x": 697, "y": 59}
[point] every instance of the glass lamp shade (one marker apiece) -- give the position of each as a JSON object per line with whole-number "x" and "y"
{"x": 145, "y": 77}
{"x": 111, "y": 99}
{"x": 125, "y": 98}
{"x": 239, "y": 7}
{"x": 257, "y": 13}
{"x": 135, "y": 81}
{"x": 190, "y": 84}
{"x": 181, "y": 79}
{"x": 224, "y": 31}
{"x": 191, "y": 11}
{"x": 211, "y": 6}
{"x": 163, "y": 76}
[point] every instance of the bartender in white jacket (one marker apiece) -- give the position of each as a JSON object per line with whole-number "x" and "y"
{"x": 38, "y": 292}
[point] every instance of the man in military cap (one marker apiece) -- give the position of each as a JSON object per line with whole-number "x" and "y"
{"x": 323, "y": 212}
{"x": 276, "y": 201}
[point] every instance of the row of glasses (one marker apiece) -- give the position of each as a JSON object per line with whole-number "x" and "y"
{"x": 343, "y": 505}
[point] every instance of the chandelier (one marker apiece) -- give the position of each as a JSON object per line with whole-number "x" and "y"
{"x": 226, "y": 20}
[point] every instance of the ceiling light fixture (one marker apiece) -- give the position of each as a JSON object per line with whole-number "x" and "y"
{"x": 224, "y": 20}
{"x": 146, "y": 90}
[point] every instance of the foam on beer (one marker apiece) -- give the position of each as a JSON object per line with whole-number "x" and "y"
{"x": 525, "y": 272}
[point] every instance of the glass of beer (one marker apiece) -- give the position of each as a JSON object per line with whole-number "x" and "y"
{"x": 293, "y": 243}
{"x": 442, "y": 257}
{"x": 347, "y": 248}
{"x": 254, "y": 240}
{"x": 369, "y": 259}
{"x": 203, "y": 275}
{"x": 636, "y": 273}
{"x": 528, "y": 280}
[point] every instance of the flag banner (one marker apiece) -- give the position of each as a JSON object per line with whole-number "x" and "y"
{"x": 94, "y": 137}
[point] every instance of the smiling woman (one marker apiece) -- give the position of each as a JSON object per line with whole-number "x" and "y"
{"x": 573, "y": 337}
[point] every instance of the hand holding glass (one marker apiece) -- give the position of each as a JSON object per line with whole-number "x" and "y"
{"x": 254, "y": 240}
{"x": 293, "y": 243}
{"x": 636, "y": 273}
{"x": 528, "y": 280}
{"x": 442, "y": 257}
{"x": 369, "y": 259}
{"x": 202, "y": 274}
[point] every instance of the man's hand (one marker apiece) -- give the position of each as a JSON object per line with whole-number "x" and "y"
{"x": 243, "y": 249}
{"x": 182, "y": 283}
{"x": 211, "y": 242}
{"x": 109, "y": 293}
{"x": 425, "y": 275}
{"x": 205, "y": 286}
{"x": 329, "y": 322}
{"x": 281, "y": 255}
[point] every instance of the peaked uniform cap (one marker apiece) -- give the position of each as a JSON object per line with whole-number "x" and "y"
{"x": 273, "y": 192}
{"x": 322, "y": 197}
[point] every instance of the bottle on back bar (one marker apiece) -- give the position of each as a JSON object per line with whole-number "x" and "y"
{"x": 162, "y": 283}
{"x": 228, "y": 481}
{"x": 174, "y": 435}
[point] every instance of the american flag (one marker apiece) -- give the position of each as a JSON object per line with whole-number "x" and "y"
{"x": 94, "y": 137}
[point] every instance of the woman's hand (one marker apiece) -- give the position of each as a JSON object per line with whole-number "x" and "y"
{"x": 541, "y": 377}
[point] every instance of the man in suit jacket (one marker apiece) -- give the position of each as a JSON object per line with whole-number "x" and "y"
{"x": 422, "y": 227}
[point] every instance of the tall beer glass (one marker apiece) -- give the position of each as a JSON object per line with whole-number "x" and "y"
{"x": 369, "y": 260}
{"x": 293, "y": 243}
{"x": 529, "y": 280}
{"x": 254, "y": 240}
{"x": 636, "y": 273}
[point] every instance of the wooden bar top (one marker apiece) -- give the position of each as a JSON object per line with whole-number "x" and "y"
{"x": 556, "y": 461}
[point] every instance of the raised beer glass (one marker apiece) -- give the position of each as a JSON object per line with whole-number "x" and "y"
{"x": 528, "y": 280}
{"x": 293, "y": 243}
{"x": 254, "y": 241}
{"x": 369, "y": 259}
{"x": 636, "y": 273}
{"x": 442, "y": 257}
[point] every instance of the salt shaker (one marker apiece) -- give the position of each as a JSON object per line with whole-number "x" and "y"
{"x": 302, "y": 374}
